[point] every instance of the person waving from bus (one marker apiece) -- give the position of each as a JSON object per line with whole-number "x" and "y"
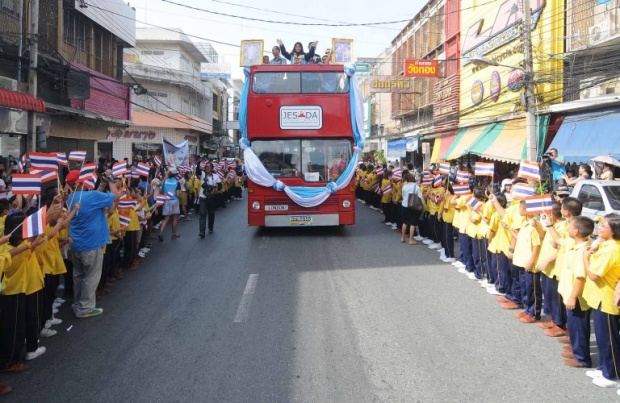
{"x": 298, "y": 56}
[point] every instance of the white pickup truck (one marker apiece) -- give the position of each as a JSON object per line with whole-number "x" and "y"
{"x": 599, "y": 197}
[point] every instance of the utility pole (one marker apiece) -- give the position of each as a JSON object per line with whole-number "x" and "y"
{"x": 530, "y": 100}
{"x": 32, "y": 71}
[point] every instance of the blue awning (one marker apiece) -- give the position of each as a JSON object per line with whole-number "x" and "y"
{"x": 584, "y": 136}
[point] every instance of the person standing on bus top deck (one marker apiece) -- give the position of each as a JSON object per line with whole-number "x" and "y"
{"x": 298, "y": 56}
{"x": 277, "y": 56}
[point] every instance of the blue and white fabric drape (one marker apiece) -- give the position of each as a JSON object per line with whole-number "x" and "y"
{"x": 305, "y": 196}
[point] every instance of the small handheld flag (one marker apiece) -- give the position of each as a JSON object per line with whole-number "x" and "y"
{"x": 43, "y": 161}
{"x": 127, "y": 203}
{"x": 462, "y": 177}
{"x": 61, "y": 159}
{"x": 124, "y": 219}
{"x": 387, "y": 190}
{"x": 474, "y": 203}
{"x": 460, "y": 190}
{"x": 427, "y": 179}
{"x": 522, "y": 191}
{"x": 86, "y": 171}
{"x": 160, "y": 199}
{"x": 485, "y": 169}
{"x": 444, "y": 168}
{"x": 397, "y": 173}
{"x": 157, "y": 160}
{"x": 529, "y": 170}
{"x": 46, "y": 176}
{"x": 34, "y": 224}
{"x": 119, "y": 169}
{"x": 379, "y": 171}
{"x": 437, "y": 181}
{"x": 90, "y": 182}
{"x": 171, "y": 194}
{"x": 539, "y": 204}
{"x": 26, "y": 184}
{"x": 143, "y": 169}
{"x": 77, "y": 155}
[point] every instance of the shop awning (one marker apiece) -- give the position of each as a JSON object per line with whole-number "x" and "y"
{"x": 18, "y": 100}
{"x": 502, "y": 141}
{"x": 440, "y": 146}
{"x": 463, "y": 142}
{"x": 586, "y": 135}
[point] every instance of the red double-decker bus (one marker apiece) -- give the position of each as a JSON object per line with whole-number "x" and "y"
{"x": 299, "y": 126}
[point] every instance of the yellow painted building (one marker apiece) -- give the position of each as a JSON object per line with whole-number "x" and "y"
{"x": 491, "y": 97}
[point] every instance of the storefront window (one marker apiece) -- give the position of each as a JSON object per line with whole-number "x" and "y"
{"x": 145, "y": 151}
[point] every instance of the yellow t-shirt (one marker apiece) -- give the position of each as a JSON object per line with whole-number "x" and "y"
{"x": 460, "y": 214}
{"x": 573, "y": 269}
{"x": 447, "y": 208}
{"x": 566, "y": 243}
{"x": 503, "y": 235}
{"x": 114, "y": 224}
{"x": 549, "y": 252}
{"x": 2, "y": 221}
{"x": 397, "y": 192}
{"x": 494, "y": 226}
{"x": 24, "y": 274}
{"x": 472, "y": 222}
{"x": 485, "y": 217}
{"x": 605, "y": 263}
{"x": 527, "y": 239}
{"x": 50, "y": 257}
{"x": 434, "y": 199}
{"x": 134, "y": 224}
{"x": 385, "y": 197}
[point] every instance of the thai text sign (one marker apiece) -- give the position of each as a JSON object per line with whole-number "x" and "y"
{"x": 421, "y": 68}
{"x": 393, "y": 84}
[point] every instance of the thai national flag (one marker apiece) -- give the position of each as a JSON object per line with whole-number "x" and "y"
{"x": 462, "y": 176}
{"x": 61, "y": 159}
{"x": 397, "y": 173}
{"x": 529, "y": 170}
{"x": 26, "y": 184}
{"x": 485, "y": 169}
{"x": 46, "y": 176}
{"x": 437, "y": 181}
{"x": 160, "y": 199}
{"x": 43, "y": 161}
{"x": 460, "y": 190}
{"x": 387, "y": 190}
{"x": 427, "y": 178}
{"x": 376, "y": 188}
{"x": 132, "y": 175}
{"x": 119, "y": 169}
{"x": 444, "y": 168}
{"x": 127, "y": 203}
{"x": 90, "y": 182}
{"x": 521, "y": 191}
{"x": 474, "y": 203}
{"x": 539, "y": 204}
{"x": 184, "y": 169}
{"x": 143, "y": 169}
{"x": 203, "y": 164}
{"x": 157, "y": 160}
{"x": 86, "y": 171}
{"x": 379, "y": 171}
{"x": 34, "y": 224}
{"x": 171, "y": 194}
{"x": 77, "y": 156}
{"x": 232, "y": 174}
{"x": 124, "y": 219}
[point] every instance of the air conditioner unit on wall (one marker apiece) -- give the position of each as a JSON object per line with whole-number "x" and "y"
{"x": 599, "y": 32}
{"x": 8, "y": 84}
{"x": 590, "y": 92}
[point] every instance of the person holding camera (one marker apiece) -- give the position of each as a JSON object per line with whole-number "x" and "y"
{"x": 556, "y": 164}
{"x": 210, "y": 183}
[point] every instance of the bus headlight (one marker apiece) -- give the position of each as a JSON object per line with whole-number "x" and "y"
{"x": 346, "y": 204}
{"x": 256, "y": 206}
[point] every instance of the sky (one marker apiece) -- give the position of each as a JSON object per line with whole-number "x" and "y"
{"x": 368, "y": 41}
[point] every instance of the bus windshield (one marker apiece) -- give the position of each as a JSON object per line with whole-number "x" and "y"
{"x": 311, "y": 159}
{"x": 300, "y": 83}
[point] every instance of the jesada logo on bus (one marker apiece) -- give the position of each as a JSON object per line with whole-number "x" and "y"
{"x": 421, "y": 68}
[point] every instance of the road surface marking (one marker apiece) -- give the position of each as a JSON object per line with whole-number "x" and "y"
{"x": 246, "y": 299}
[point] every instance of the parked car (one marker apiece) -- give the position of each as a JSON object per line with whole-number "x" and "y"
{"x": 599, "y": 198}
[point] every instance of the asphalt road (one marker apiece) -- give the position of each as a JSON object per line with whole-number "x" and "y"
{"x": 299, "y": 315}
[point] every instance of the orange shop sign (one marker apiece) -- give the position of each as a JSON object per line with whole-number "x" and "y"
{"x": 421, "y": 68}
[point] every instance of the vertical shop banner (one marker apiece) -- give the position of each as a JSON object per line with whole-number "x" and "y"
{"x": 175, "y": 155}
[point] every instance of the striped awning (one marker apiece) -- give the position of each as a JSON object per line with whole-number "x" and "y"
{"x": 18, "y": 100}
{"x": 502, "y": 141}
{"x": 463, "y": 142}
{"x": 440, "y": 146}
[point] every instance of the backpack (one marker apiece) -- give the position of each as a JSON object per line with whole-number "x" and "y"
{"x": 414, "y": 202}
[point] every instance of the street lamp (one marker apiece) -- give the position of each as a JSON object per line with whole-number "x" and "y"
{"x": 530, "y": 118}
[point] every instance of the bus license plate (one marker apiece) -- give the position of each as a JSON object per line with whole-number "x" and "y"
{"x": 279, "y": 207}
{"x": 298, "y": 220}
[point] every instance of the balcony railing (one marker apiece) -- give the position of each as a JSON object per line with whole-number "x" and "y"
{"x": 174, "y": 76}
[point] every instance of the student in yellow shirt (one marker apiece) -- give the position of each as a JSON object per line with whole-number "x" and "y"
{"x": 5, "y": 206}
{"x": 386, "y": 197}
{"x": 552, "y": 303}
{"x": 397, "y": 198}
{"x": 571, "y": 208}
{"x": 602, "y": 263}
{"x": 572, "y": 280}
{"x": 22, "y": 286}
{"x": 461, "y": 220}
{"x": 435, "y": 196}
{"x": 447, "y": 230}
{"x": 477, "y": 231}
{"x": 526, "y": 251}
{"x": 496, "y": 258}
